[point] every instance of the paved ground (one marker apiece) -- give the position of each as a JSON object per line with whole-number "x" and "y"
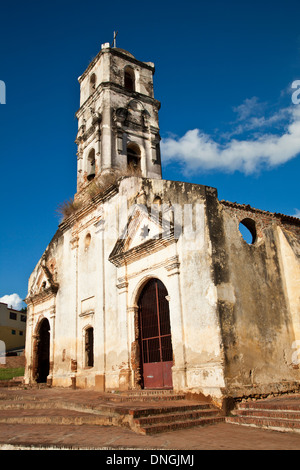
{"x": 216, "y": 437}
{"x": 220, "y": 436}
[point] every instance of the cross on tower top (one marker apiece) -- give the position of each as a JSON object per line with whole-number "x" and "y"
{"x": 114, "y": 43}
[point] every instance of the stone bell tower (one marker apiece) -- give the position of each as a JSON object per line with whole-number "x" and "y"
{"x": 118, "y": 118}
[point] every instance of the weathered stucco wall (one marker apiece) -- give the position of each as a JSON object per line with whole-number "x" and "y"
{"x": 256, "y": 321}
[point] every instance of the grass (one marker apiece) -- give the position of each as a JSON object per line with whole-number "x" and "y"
{"x": 97, "y": 187}
{"x": 7, "y": 374}
{"x": 68, "y": 208}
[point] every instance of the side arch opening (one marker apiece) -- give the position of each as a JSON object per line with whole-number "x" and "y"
{"x": 41, "y": 365}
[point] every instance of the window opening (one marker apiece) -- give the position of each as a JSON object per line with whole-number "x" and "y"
{"x": 91, "y": 165}
{"x": 87, "y": 240}
{"x": 133, "y": 158}
{"x": 129, "y": 80}
{"x": 247, "y": 229}
{"x": 89, "y": 347}
{"x": 92, "y": 83}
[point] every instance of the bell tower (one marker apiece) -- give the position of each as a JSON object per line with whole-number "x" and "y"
{"x": 118, "y": 118}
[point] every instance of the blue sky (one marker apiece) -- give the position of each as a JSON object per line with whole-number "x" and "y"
{"x": 224, "y": 71}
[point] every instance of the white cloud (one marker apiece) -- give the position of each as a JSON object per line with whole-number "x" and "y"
{"x": 13, "y": 301}
{"x": 249, "y": 107}
{"x": 260, "y": 123}
{"x": 198, "y": 151}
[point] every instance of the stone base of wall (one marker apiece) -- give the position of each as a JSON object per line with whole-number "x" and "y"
{"x": 262, "y": 390}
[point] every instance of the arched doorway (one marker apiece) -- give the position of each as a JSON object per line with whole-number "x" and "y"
{"x": 155, "y": 336}
{"x": 42, "y": 352}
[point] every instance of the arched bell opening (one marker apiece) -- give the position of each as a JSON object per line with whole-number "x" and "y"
{"x": 91, "y": 165}
{"x": 129, "y": 79}
{"x": 133, "y": 158}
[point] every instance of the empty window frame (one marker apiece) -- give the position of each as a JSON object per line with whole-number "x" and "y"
{"x": 91, "y": 165}
{"x": 89, "y": 347}
{"x": 129, "y": 79}
{"x": 92, "y": 83}
{"x": 133, "y": 157}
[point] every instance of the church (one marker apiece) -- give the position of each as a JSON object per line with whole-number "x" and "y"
{"x": 148, "y": 283}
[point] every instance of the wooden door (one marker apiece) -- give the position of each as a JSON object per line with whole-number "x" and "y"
{"x": 155, "y": 336}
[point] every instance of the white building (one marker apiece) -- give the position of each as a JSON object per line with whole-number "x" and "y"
{"x": 148, "y": 283}
{"x": 12, "y": 328}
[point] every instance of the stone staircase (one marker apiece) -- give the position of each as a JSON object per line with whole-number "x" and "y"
{"x": 12, "y": 383}
{"x": 145, "y": 412}
{"x": 279, "y": 414}
{"x": 25, "y": 411}
{"x": 171, "y": 418}
{"x": 155, "y": 411}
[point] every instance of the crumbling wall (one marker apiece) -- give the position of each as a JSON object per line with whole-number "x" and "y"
{"x": 255, "y": 317}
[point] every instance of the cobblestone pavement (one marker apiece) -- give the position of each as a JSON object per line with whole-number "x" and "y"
{"x": 221, "y": 436}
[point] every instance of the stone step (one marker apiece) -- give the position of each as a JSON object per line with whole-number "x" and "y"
{"x": 269, "y": 405}
{"x": 24, "y": 405}
{"x": 16, "y": 397}
{"x": 265, "y": 413}
{"x": 281, "y": 414}
{"x": 266, "y": 423}
{"x": 180, "y": 415}
{"x": 54, "y": 417}
{"x": 182, "y": 406}
{"x": 176, "y": 425}
{"x": 60, "y": 405}
{"x": 13, "y": 383}
{"x": 144, "y": 396}
{"x": 176, "y": 416}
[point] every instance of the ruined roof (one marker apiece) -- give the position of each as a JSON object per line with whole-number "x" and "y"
{"x": 282, "y": 217}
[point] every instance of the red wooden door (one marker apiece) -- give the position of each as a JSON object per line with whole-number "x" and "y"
{"x": 155, "y": 336}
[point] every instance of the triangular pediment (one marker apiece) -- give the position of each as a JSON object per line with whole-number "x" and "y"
{"x": 40, "y": 282}
{"x": 145, "y": 233}
{"x": 43, "y": 283}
